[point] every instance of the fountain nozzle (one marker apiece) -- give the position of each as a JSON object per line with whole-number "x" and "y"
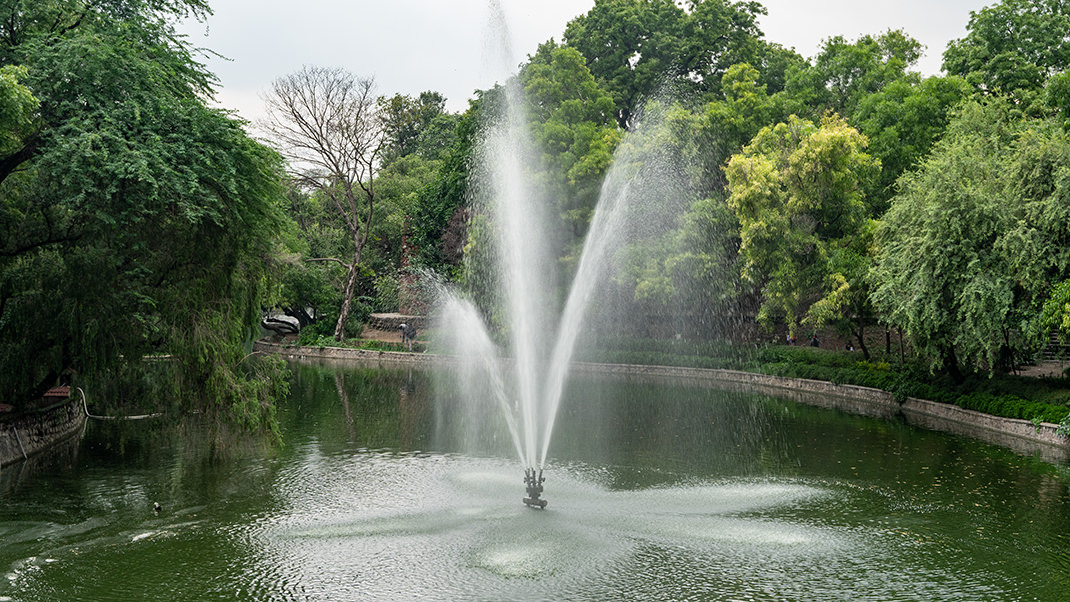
{"x": 534, "y": 488}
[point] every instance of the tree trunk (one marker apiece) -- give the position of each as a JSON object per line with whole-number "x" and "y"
{"x": 347, "y": 304}
{"x": 951, "y": 364}
{"x": 861, "y": 335}
{"x": 902, "y": 354}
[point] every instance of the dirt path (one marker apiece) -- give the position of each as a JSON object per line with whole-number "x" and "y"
{"x": 1051, "y": 368}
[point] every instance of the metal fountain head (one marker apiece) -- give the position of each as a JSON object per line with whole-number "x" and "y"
{"x": 534, "y": 483}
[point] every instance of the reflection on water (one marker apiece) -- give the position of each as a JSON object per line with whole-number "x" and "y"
{"x": 656, "y": 493}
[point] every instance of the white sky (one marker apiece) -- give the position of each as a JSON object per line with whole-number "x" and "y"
{"x": 409, "y": 46}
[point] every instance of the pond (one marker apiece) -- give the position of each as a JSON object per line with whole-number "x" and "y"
{"x": 656, "y": 492}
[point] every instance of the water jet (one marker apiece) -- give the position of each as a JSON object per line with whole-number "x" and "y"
{"x": 515, "y": 330}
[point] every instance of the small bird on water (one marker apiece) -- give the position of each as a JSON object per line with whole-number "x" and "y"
{"x": 156, "y": 507}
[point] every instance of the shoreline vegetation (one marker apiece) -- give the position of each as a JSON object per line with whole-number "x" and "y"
{"x": 841, "y": 192}
{"x": 1037, "y": 412}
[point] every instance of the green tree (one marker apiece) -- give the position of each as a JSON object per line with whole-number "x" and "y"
{"x": 573, "y": 125}
{"x": 636, "y": 47}
{"x": 775, "y": 63}
{"x": 798, "y": 192}
{"x": 133, "y": 218}
{"x": 716, "y": 35}
{"x": 17, "y": 108}
{"x": 630, "y": 46}
{"x": 1057, "y": 97}
{"x": 974, "y": 253}
{"x": 416, "y": 126}
{"x": 729, "y": 124}
{"x": 1012, "y": 47}
{"x": 903, "y": 121}
{"x": 310, "y": 290}
{"x": 941, "y": 274}
{"x": 845, "y": 72}
{"x": 1037, "y": 245}
{"x": 439, "y": 219}
{"x": 693, "y": 276}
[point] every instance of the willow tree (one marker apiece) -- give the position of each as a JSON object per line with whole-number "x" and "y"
{"x": 326, "y": 122}
{"x": 134, "y": 219}
{"x": 975, "y": 245}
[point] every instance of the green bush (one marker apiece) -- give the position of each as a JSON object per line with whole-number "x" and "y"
{"x": 983, "y": 395}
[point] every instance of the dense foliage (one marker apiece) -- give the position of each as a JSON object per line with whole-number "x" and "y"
{"x": 976, "y": 238}
{"x": 798, "y": 192}
{"x": 843, "y": 192}
{"x": 134, "y": 219}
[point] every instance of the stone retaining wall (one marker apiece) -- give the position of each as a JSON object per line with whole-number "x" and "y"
{"x": 341, "y": 353}
{"x": 25, "y": 436}
{"x": 1020, "y": 435}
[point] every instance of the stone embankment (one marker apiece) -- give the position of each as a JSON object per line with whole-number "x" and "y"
{"x": 1021, "y": 436}
{"x": 23, "y": 437}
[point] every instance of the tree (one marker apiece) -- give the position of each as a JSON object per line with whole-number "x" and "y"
{"x": 419, "y": 126}
{"x": 798, "y": 192}
{"x": 1012, "y": 47}
{"x": 439, "y": 218}
{"x": 975, "y": 251}
{"x": 716, "y": 35}
{"x": 326, "y": 123}
{"x": 731, "y": 123}
{"x": 844, "y": 73}
{"x": 573, "y": 125}
{"x": 636, "y": 47}
{"x": 903, "y": 121}
{"x": 133, "y": 218}
{"x": 940, "y": 274}
{"x": 17, "y": 108}
{"x": 630, "y": 46}
{"x": 1037, "y": 245}
{"x": 693, "y": 276}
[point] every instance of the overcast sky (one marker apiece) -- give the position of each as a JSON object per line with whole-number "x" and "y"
{"x": 409, "y": 46}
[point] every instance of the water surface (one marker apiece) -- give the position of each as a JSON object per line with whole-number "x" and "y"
{"x": 656, "y": 492}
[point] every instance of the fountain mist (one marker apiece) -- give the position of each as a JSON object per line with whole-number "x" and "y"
{"x": 539, "y": 334}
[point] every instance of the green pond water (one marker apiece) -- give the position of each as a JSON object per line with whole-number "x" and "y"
{"x": 656, "y": 492}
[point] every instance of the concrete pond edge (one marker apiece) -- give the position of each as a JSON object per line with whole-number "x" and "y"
{"x": 31, "y": 434}
{"x": 1022, "y": 436}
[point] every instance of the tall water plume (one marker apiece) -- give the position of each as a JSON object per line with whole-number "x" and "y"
{"x": 518, "y": 382}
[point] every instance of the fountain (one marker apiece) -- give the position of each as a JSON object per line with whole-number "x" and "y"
{"x": 670, "y": 490}
{"x": 534, "y": 488}
{"x": 640, "y": 198}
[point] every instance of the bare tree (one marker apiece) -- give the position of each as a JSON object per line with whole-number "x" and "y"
{"x": 326, "y": 124}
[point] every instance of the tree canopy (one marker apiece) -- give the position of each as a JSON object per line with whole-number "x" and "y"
{"x": 134, "y": 219}
{"x": 635, "y": 47}
{"x": 1013, "y": 46}
{"x": 798, "y": 191}
{"x": 572, "y": 122}
{"x": 971, "y": 248}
